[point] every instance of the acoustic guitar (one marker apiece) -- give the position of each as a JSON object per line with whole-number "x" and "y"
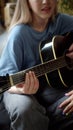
{"x": 55, "y": 66}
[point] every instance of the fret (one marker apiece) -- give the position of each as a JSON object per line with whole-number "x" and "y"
{"x": 18, "y": 77}
{"x": 40, "y": 70}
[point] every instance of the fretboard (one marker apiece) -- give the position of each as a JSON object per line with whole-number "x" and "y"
{"x": 39, "y": 70}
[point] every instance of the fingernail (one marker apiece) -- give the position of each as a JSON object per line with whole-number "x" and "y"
{"x": 66, "y": 94}
{"x": 63, "y": 113}
{"x": 67, "y": 114}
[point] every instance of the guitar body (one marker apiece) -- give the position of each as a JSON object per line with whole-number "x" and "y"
{"x": 52, "y": 50}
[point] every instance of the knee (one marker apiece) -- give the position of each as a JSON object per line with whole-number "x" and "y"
{"x": 29, "y": 113}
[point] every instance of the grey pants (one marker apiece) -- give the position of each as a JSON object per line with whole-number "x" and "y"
{"x": 25, "y": 112}
{"x": 59, "y": 120}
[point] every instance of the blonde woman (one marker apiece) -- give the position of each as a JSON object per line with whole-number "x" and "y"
{"x": 32, "y": 103}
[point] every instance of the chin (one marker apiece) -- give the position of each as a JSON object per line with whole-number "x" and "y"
{"x": 46, "y": 16}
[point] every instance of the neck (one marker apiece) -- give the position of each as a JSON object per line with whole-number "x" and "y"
{"x": 39, "y": 24}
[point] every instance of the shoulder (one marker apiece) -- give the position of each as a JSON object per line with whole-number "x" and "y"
{"x": 18, "y": 31}
{"x": 64, "y": 18}
{"x": 16, "y": 36}
{"x": 64, "y": 23}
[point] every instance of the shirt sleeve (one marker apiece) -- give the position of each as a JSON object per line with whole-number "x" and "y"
{"x": 11, "y": 58}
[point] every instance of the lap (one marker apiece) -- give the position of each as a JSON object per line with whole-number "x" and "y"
{"x": 28, "y": 109}
{"x": 21, "y": 103}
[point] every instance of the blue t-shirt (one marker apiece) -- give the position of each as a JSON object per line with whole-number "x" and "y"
{"x": 22, "y": 49}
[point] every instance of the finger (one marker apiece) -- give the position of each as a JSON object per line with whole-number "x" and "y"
{"x": 31, "y": 81}
{"x": 71, "y": 47}
{"x": 64, "y": 103}
{"x": 27, "y": 82}
{"x": 68, "y": 109}
{"x": 70, "y": 55}
{"x": 69, "y": 93}
{"x": 70, "y": 51}
{"x": 34, "y": 83}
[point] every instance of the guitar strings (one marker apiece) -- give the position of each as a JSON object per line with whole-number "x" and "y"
{"x": 16, "y": 78}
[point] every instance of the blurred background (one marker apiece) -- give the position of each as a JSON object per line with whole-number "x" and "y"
{"x": 66, "y": 6}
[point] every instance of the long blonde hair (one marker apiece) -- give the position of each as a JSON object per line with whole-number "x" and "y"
{"x": 23, "y": 14}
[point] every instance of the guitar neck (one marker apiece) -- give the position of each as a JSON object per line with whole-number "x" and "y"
{"x": 39, "y": 70}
